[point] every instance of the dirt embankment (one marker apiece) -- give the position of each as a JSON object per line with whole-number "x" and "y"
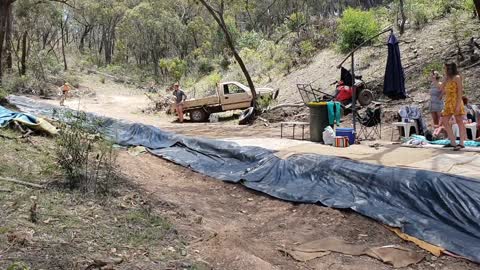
{"x": 420, "y": 49}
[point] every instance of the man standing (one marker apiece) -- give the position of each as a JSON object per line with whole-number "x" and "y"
{"x": 180, "y": 97}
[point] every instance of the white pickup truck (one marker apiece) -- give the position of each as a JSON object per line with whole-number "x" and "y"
{"x": 230, "y": 96}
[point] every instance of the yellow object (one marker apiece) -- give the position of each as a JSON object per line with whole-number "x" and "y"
{"x": 437, "y": 251}
{"x": 451, "y": 98}
{"x": 322, "y": 103}
{"x": 41, "y": 125}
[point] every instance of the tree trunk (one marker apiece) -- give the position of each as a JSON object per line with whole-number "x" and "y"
{"x": 218, "y": 16}
{"x": 477, "y": 6}
{"x": 65, "y": 67}
{"x": 4, "y": 7}
{"x": 23, "y": 61}
{"x": 8, "y": 38}
{"x": 82, "y": 38}
{"x": 404, "y": 18}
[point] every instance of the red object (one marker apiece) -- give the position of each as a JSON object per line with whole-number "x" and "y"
{"x": 344, "y": 93}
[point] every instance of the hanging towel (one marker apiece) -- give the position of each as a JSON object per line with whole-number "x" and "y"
{"x": 334, "y": 112}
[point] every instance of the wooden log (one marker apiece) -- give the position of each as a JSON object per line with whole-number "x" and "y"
{"x": 287, "y": 105}
{"x": 28, "y": 184}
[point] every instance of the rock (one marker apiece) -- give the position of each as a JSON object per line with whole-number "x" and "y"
{"x": 431, "y": 48}
{"x": 183, "y": 252}
{"x": 434, "y": 258}
{"x": 171, "y": 249}
{"x": 250, "y": 199}
{"x": 196, "y": 251}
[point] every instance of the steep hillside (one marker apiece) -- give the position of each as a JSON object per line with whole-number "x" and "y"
{"x": 421, "y": 49}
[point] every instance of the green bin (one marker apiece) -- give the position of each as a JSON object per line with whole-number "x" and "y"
{"x": 318, "y": 120}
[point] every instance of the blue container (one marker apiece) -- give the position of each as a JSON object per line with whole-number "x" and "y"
{"x": 346, "y": 132}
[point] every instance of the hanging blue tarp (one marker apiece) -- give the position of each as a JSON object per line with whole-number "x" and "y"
{"x": 439, "y": 208}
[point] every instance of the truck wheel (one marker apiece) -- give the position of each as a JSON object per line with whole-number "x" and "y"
{"x": 365, "y": 97}
{"x": 198, "y": 115}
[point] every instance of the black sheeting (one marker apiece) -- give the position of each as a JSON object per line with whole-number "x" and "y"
{"x": 439, "y": 208}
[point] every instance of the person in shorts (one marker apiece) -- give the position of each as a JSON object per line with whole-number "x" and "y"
{"x": 65, "y": 88}
{"x": 180, "y": 97}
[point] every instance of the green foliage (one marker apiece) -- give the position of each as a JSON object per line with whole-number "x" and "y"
{"x": 87, "y": 159}
{"x": 18, "y": 266}
{"x": 207, "y": 85}
{"x": 205, "y": 65}
{"x": 249, "y": 39}
{"x": 356, "y": 26}
{"x": 175, "y": 68}
{"x": 436, "y": 66}
{"x": 264, "y": 102}
{"x": 307, "y": 49}
{"x": 295, "y": 21}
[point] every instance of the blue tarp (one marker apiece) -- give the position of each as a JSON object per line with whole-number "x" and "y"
{"x": 7, "y": 116}
{"x": 394, "y": 83}
{"x": 438, "y": 208}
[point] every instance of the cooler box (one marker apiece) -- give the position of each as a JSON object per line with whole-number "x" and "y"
{"x": 346, "y": 132}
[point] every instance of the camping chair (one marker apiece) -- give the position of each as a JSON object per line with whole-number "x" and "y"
{"x": 370, "y": 124}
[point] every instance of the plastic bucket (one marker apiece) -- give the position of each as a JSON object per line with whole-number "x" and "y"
{"x": 346, "y": 132}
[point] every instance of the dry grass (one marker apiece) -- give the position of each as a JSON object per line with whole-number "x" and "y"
{"x": 73, "y": 228}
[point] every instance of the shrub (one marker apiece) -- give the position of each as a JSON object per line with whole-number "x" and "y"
{"x": 307, "y": 50}
{"x": 205, "y": 65}
{"x": 356, "y": 26}
{"x": 264, "y": 102}
{"x": 18, "y": 266}
{"x": 174, "y": 67}
{"x": 295, "y": 21}
{"x": 249, "y": 40}
{"x": 87, "y": 159}
{"x": 3, "y": 93}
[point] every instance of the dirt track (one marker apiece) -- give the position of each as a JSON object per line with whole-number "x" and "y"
{"x": 230, "y": 227}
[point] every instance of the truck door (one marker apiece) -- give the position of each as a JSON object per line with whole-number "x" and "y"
{"x": 234, "y": 97}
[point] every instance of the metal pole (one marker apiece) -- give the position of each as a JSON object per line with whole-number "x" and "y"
{"x": 354, "y": 96}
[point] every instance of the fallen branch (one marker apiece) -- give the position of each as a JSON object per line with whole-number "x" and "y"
{"x": 298, "y": 105}
{"x": 471, "y": 66}
{"x": 5, "y": 190}
{"x": 28, "y": 184}
{"x": 8, "y": 137}
{"x": 262, "y": 119}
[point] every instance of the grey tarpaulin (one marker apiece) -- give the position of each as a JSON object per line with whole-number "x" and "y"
{"x": 438, "y": 208}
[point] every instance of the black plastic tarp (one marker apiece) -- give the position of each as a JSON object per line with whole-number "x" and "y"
{"x": 438, "y": 208}
{"x": 394, "y": 83}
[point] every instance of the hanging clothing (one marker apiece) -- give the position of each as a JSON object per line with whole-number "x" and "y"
{"x": 394, "y": 82}
{"x": 334, "y": 112}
